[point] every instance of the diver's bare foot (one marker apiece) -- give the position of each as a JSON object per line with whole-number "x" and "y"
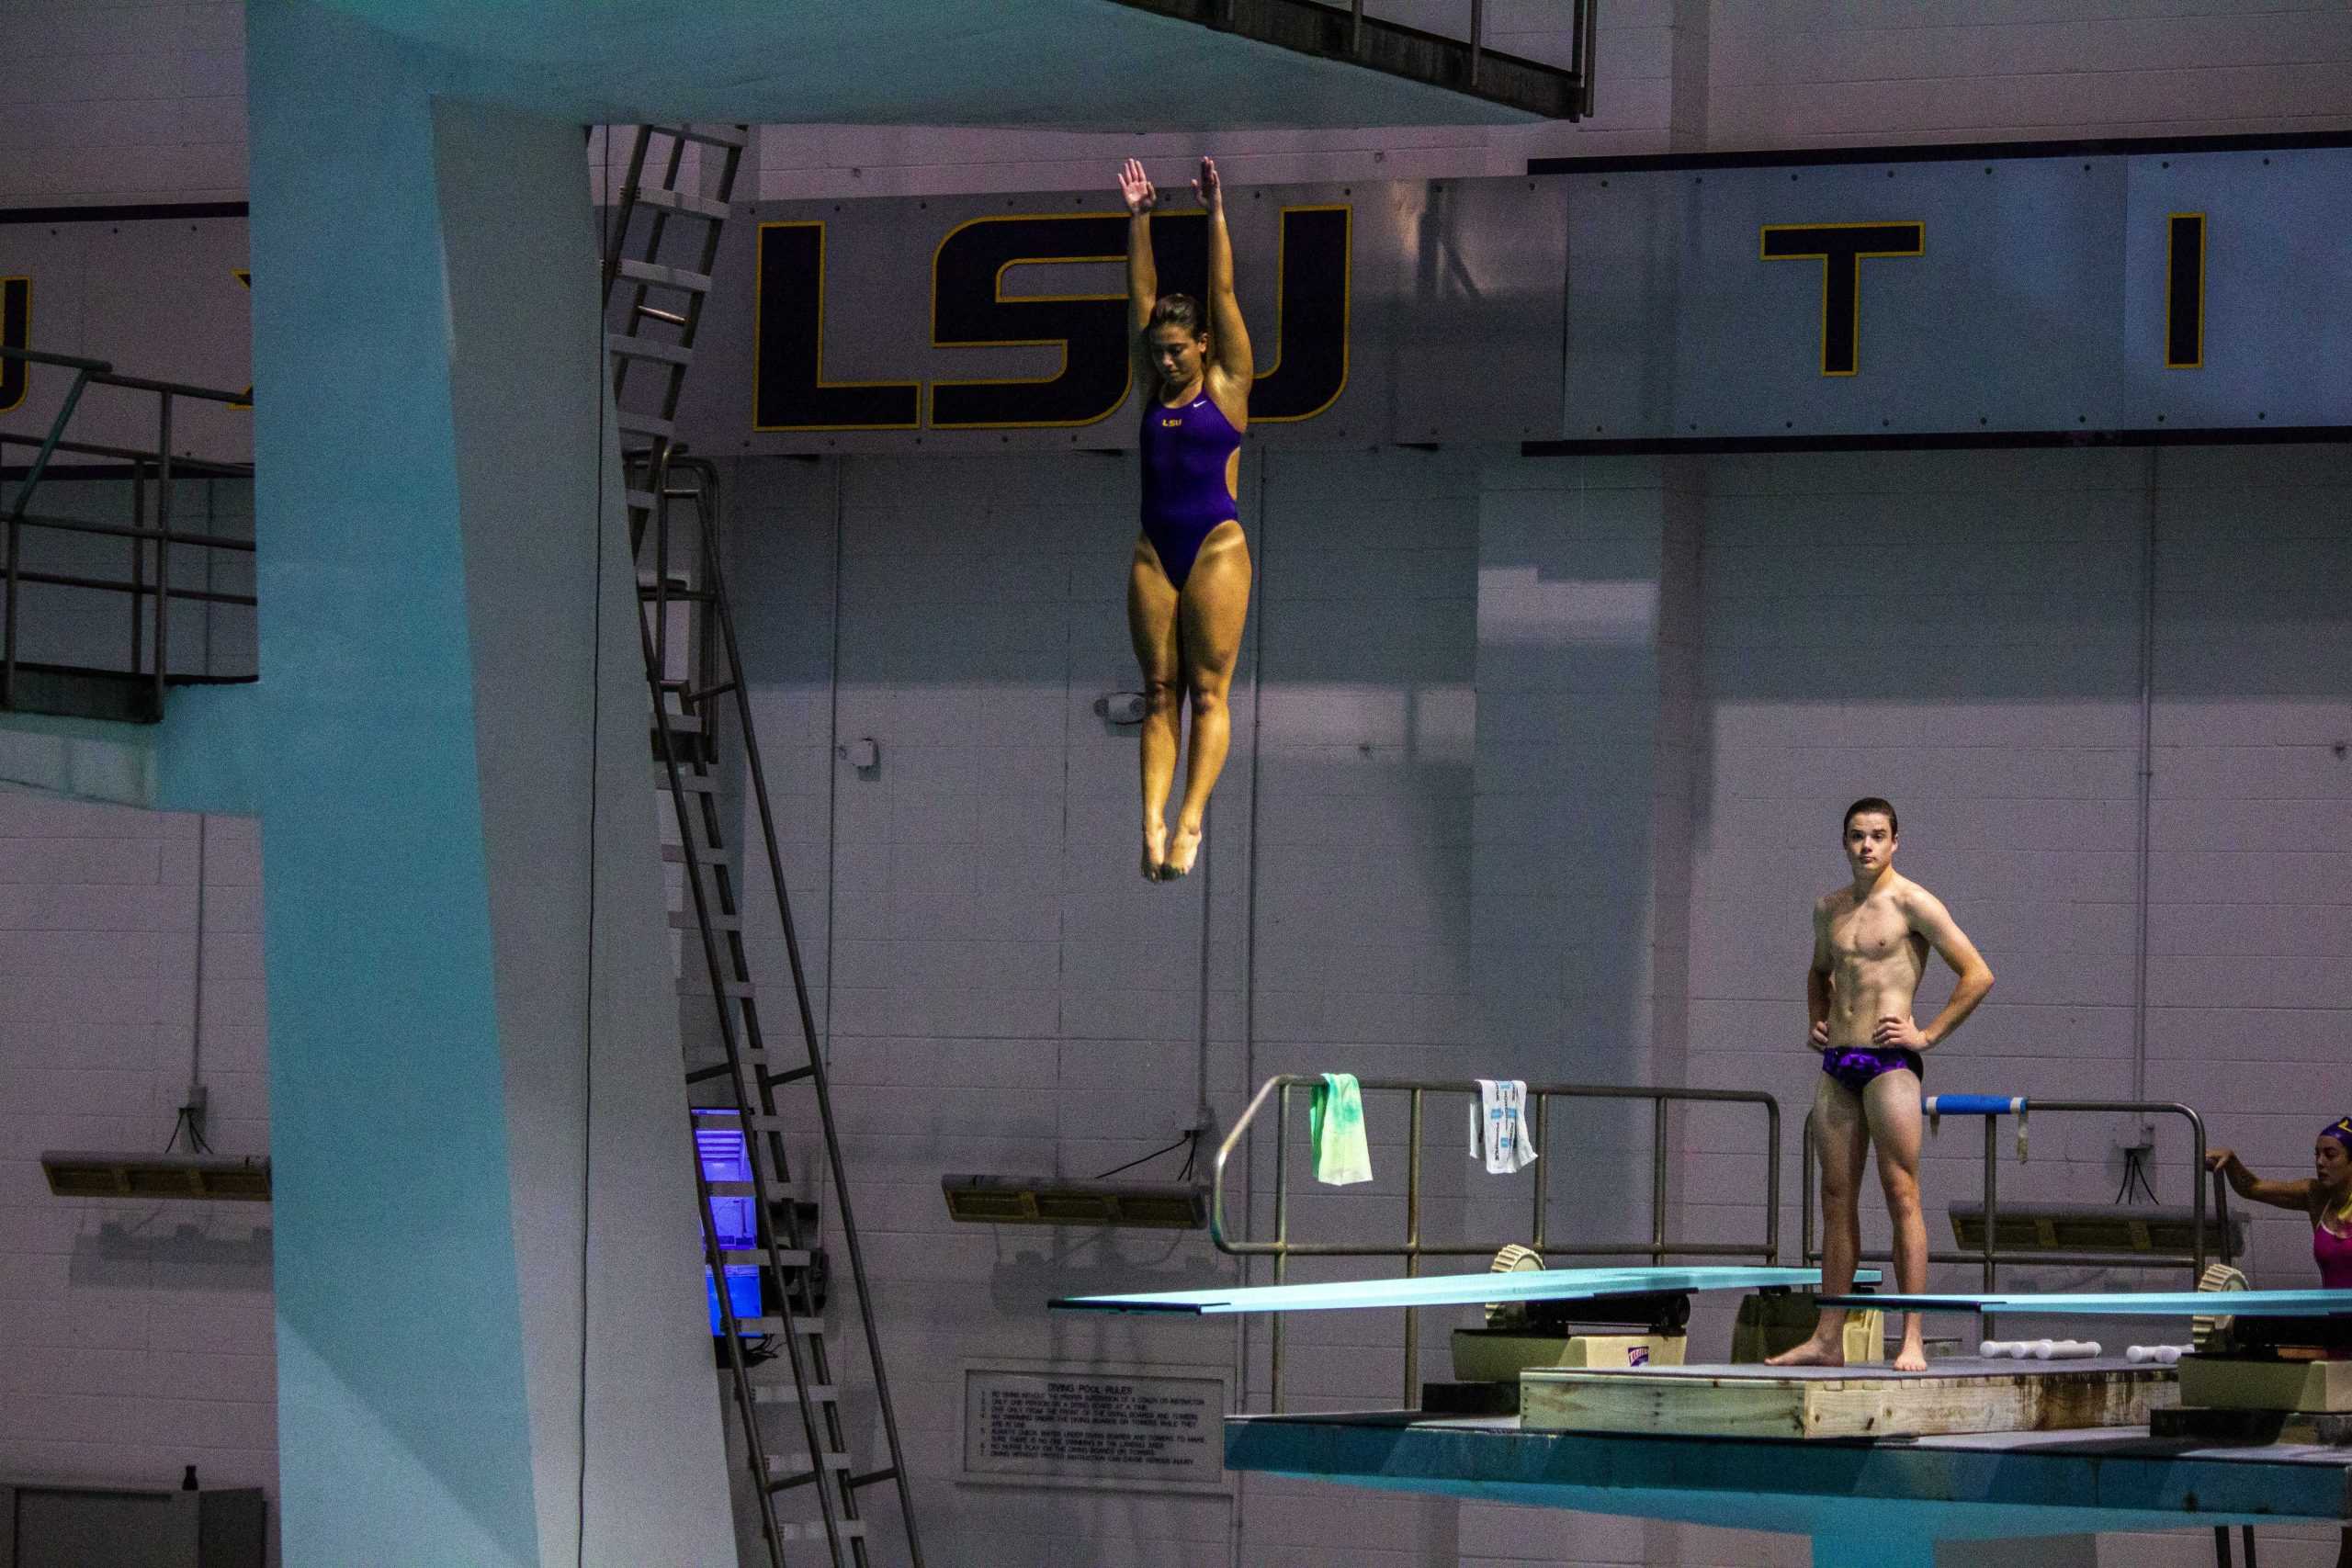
{"x": 1181, "y": 849}
{"x": 1155, "y": 850}
{"x": 1812, "y": 1353}
{"x": 1912, "y": 1357}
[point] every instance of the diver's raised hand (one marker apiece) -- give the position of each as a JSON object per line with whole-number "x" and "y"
{"x": 1210, "y": 194}
{"x": 1136, "y": 187}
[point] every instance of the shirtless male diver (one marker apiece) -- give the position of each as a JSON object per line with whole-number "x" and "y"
{"x": 1870, "y": 948}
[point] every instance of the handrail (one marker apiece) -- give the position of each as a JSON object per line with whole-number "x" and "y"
{"x": 124, "y": 531}
{"x": 158, "y": 461}
{"x": 1990, "y": 1256}
{"x": 1659, "y": 1247}
{"x": 102, "y": 374}
{"x": 220, "y": 465}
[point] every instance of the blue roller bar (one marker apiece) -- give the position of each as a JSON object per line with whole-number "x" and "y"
{"x": 2125, "y": 1304}
{"x": 1453, "y": 1290}
{"x": 1972, "y": 1104}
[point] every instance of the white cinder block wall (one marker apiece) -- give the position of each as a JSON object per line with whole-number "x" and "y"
{"x": 133, "y": 101}
{"x": 135, "y": 1338}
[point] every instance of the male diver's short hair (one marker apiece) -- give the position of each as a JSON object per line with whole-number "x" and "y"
{"x": 1178, "y": 311}
{"x": 1869, "y": 803}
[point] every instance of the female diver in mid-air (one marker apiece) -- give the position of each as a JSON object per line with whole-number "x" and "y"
{"x": 1188, "y": 589}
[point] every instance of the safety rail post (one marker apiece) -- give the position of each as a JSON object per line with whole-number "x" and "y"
{"x": 163, "y": 545}
{"x": 1413, "y": 1254}
{"x": 138, "y": 565}
{"x": 1416, "y": 1247}
{"x": 1587, "y": 46}
{"x": 1282, "y": 1225}
{"x": 1657, "y": 1183}
{"x": 1992, "y": 1216}
{"x": 83, "y": 370}
{"x": 1543, "y": 1142}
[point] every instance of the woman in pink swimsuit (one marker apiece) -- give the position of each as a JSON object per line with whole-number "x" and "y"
{"x": 2325, "y": 1198}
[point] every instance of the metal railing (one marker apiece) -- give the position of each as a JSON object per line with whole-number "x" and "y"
{"x": 1456, "y": 60}
{"x": 1991, "y": 1256}
{"x": 1413, "y": 1248}
{"x": 1584, "y": 24}
{"x": 158, "y": 465}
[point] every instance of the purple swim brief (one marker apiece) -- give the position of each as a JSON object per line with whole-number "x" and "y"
{"x": 1855, "y": 1065}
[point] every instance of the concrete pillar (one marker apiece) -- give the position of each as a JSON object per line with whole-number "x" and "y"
{"x": 492, "y": 1341}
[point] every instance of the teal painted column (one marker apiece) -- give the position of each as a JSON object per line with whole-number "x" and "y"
{"x": 403, "y": 1434}
{"x": 492, "y": 1347}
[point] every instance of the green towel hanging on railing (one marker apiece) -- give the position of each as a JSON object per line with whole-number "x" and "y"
{"x": 1335, "y": 1126}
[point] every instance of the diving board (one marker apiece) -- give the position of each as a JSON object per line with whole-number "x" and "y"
{"x": 1455, "y": 1290}
{"x": 2122, "y": 1303}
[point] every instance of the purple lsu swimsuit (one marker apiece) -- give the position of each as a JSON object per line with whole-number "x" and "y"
{"x": 1185, "y": 449}
{"x": 1855, "y": 1065}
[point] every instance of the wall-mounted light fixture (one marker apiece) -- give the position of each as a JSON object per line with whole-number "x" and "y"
{"x": 1056, "y": 1201}
{"x": 80, "y": 1173}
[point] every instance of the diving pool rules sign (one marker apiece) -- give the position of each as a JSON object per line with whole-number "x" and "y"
{"x": 1067, "y": 1427}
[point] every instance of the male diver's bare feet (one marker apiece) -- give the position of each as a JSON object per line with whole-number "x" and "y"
{"x": 1912, "y": 1357}
{"x": 1181, "y": 849}
{"x": 1816, "y": 1352}
{"x": 1155, "y": 850}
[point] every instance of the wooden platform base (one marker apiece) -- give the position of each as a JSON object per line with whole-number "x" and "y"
{"x": 1965, "y": 1395}
{"x": 2223, "y": 1382}
{"x": 1498, "y": 1355}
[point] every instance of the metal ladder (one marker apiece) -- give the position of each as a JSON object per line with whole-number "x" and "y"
{"x": 688, "y": 703}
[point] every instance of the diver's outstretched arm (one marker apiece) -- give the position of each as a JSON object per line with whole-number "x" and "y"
{"x": 1228, "y": 338}
{"x": 1143, "y": 277}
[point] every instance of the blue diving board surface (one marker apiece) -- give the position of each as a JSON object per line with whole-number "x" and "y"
{"x": 1454, "y": 1290}
{"x": 1866, "y": 1504}
{"x": 2122, "y": 1303}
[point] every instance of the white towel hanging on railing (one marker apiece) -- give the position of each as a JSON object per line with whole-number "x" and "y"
{"x": 1499, "y": 1128}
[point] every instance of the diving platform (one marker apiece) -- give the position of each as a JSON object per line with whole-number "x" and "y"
{"x": 1884, "y": 1504}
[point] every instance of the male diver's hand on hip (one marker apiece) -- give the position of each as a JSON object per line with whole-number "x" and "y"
{"x": 1896, "y": 1030}
{"x": 1818, "y": 1036}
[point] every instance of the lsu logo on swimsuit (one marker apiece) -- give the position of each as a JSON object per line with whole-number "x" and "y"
{"x": 977, "y": 301}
